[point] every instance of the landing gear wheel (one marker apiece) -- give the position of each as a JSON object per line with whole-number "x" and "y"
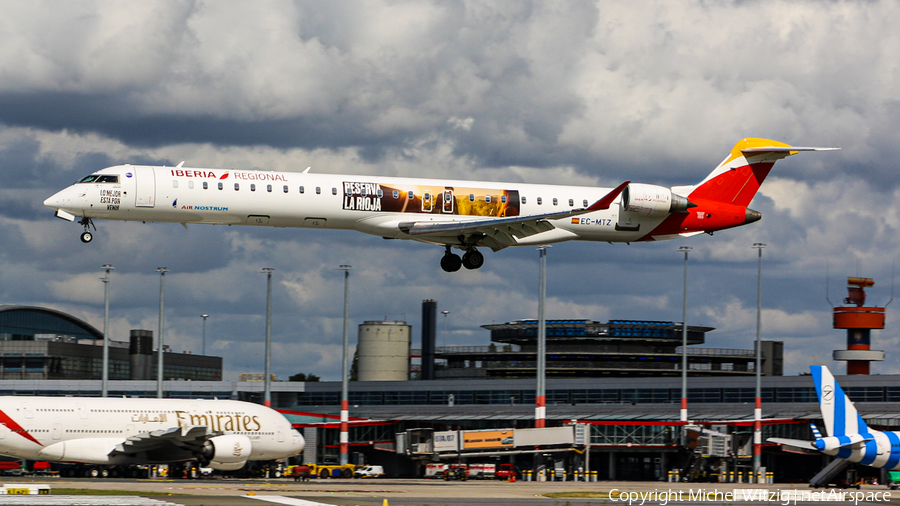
{"x": 87, "y": 237}
{"x": 473, "y": 259}
{"x": 451, "y": 262}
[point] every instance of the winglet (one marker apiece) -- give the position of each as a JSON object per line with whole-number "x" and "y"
{"x": 605, "y": 202}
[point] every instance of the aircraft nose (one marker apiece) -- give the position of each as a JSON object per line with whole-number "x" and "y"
{"x": 53, "y": 201}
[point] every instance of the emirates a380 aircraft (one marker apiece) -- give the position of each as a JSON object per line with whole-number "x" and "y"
{"x": 464, "y": 215}
{"x": 221, "y": 434}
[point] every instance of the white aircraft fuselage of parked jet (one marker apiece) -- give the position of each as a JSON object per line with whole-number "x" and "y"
{"x": 464, "y": 215}
{"x": 222, "y": 434}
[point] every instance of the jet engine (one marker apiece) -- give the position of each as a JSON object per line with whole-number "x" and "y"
{"x": 651, "y": 200}
{"x": 641, "y": 200}
{"x": 226, "y": 453}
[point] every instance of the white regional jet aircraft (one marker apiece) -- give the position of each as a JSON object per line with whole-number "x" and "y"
{"x": 221, "y": 434}
{"x": 848, "y": 436}
{"x": 454, "y": 214}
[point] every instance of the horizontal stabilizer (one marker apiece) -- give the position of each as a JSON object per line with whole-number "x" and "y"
{"x": 782, "y": 149}
{"x": 797, "y": 443}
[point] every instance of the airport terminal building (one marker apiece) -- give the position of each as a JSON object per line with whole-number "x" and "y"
{"x": 618, "y": 380}
{"x": 41, "y": 344}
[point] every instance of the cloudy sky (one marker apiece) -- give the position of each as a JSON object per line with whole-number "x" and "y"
{"x": 542, "y": 92}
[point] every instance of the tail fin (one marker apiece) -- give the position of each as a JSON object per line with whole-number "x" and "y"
{"x": 737, "y": 179}
{"x": 839, "y": 413}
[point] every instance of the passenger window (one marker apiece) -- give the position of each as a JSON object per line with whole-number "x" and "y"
{"x": 174, "y": 183}
{"x": 555, "y": 202}
{"x": 571, "y": 203}
{"x": 221, "y": 186}
{"x": 302, "y": 189}
{"x": 502, "y": 199}
{"x": 253, "y": 187}
{"x": 426, "y": 197}
{"x": 205, "y": 185}
{"x": 285, "y": 189}
{"x": 539, "y": 201}
{"x": 334, "y": 191}
{"x": 191, "y": 185}
{"x": 318, "y": 190}
{"x": 523, "y": 200}
{"x": 584, "y": 202}
{"x": 269, "y": 188}
{"x": 411, "y": 195}
{"x": 471, "y": 197}
{"x": 396, "y": 194}
{"x": 237, "y": 186}
{"x": 487, "y": 199}
{"x": 379, "y": 193}
{"x": 363, "y": 192}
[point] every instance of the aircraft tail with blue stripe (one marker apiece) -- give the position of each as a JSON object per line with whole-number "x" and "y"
{"x": 847, "y": 436}
{"x": 838, "y": 412}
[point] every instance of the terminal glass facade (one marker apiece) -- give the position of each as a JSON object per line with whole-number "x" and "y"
{"x": 24, "y": 323}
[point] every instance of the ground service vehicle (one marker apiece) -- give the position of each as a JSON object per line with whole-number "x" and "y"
{"x": 332, "y": 470}
{"x": 505, "y": 472}
{"x": 369, "y": 472}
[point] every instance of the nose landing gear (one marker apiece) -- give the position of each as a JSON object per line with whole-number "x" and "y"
{"x": 451, "y": 262}
{"x": 87, "y": 236}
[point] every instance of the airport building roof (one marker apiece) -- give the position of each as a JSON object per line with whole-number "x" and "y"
{"x": 22, "y": 323}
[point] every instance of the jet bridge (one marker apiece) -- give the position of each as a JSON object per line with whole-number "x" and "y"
{"x": 427, "y": 444}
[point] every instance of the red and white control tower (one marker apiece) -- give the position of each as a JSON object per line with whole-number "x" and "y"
{"x": 859, "y": 321}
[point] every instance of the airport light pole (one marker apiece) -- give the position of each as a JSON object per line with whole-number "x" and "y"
{"x": 345, "y": 371}
{"x": 444, "y": 336}
{"x": 104, "y": 390}
{"x": 162, "y": 329}
{"x": 267, "y": 381}
{"x": 540, "y": 409}
{"x": 757, "y": 410}
{"x": 684, "y": 333}
{"x": 203, "y": 340}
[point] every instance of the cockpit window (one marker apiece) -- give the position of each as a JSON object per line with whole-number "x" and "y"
{"x": 100, "y": 178}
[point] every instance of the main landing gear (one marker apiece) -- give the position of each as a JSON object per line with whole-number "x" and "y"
{"x": 87, "y": 236}
{"x": 451, "y": 262}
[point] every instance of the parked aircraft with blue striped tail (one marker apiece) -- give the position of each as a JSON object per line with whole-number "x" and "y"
{"x": 847, "y": 435}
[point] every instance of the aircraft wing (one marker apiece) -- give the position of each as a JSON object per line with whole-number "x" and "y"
{"x": 178, "y": 442}
{"x": 499, "y": 233}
